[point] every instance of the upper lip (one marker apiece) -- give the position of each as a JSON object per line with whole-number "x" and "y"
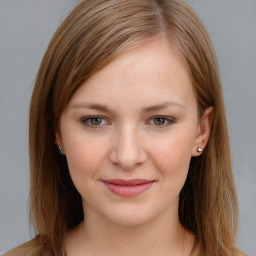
{"x": 132, "y": 182}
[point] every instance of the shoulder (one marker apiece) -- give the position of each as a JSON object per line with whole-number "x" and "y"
{"x": 240, "y": 253}
{"x": 20, "y": 250}
{"x": 30, "y": 248}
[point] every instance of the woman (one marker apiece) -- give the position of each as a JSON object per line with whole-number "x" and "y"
{"x": 129, "y": 145}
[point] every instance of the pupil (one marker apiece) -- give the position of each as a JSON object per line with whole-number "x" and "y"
{"x": 159, "y": 121}
{"x": 96, "y": 121}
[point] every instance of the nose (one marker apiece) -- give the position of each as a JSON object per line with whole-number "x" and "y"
{"x": 126, "y": 149}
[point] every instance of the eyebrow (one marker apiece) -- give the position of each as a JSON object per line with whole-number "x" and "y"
{"x": 144, "y": 110}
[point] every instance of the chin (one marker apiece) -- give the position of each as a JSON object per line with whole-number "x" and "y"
{"x": 129, "y": 217}
{"x": 130, "y": 220}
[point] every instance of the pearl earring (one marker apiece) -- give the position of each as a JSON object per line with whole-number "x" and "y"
{"x": 59, "y": 146}
{"x": 199, "y": 149}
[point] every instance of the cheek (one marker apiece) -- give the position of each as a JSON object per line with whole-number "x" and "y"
{"x": 171, "y": 156}
{"x": 84, "y": 156}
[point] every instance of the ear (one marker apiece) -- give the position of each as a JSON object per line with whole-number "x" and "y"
{"x": 59, "y": 143}
{"x": 203, "y": 132}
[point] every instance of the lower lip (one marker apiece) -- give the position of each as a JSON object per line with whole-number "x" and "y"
{"x": 128, "y": 191}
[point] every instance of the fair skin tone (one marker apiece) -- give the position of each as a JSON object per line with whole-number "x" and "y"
{"x": 126, "y": 138}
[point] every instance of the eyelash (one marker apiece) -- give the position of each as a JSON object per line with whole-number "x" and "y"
{"x": 85, "y": 121}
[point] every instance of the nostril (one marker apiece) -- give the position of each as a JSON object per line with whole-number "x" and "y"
{"x": 127, "y": 160}
{"x": 127, "y": 151}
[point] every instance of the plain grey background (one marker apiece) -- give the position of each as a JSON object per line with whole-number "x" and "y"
{"x": 26, "y": 27}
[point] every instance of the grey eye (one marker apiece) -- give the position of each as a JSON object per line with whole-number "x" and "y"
{"x": 159, "y": 120}
{"x": 96, "y": 121}
{"x": 93, "y": 121}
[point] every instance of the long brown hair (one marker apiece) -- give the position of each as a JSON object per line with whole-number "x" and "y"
{"x": 95, "y": 33}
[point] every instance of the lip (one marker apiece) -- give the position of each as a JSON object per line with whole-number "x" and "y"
{"x": 128, "y": 188}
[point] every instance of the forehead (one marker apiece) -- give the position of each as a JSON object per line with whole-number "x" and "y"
{"x": 150, "y": 72}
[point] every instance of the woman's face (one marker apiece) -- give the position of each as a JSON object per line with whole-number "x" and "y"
{"x": 129, "y": 133}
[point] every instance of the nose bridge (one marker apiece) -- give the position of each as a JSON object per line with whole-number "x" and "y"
{"x": 127, "y": 149}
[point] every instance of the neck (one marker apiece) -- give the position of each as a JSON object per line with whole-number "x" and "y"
{"x": 161, "y": 236}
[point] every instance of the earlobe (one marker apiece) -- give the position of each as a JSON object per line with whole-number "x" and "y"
{"x": 204, "y": 130}
{"x": 59, "y": 146}
{"x": 58, "y": 142}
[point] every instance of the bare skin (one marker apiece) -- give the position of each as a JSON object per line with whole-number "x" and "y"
{"x": 125, "y": 242}
{"x": 128, "y": 143}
